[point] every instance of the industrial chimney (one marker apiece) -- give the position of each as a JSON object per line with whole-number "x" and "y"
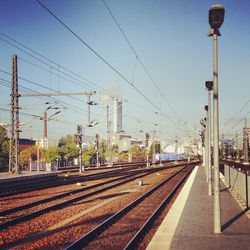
{"x": 117, "y": 115}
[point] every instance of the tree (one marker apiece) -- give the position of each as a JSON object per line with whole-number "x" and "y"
{"x": 136, "y": 152}
{"x": 29, "y": 153}
{"x": 4, "y": 149}
{"x": 51, "y": 153}
{"x": 67, "y": 148}
{"x": 89, "y": 155}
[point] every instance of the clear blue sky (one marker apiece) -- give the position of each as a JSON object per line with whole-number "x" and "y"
{"x": 170, "y": 38}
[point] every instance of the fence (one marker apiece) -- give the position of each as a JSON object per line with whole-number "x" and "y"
{"x": 238, "y": 181}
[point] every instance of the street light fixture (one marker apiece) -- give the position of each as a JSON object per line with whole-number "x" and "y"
{"x": 216, "y": 19}
{"x": 216, "y": 16}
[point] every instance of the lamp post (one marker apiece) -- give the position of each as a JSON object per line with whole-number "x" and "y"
{"x": 216, "y": 19}
{"x": 245, "y": 137}
{"x": 206, "y": 141}
{"x": 209, "y": 86}
{"x": 237, "y": 148}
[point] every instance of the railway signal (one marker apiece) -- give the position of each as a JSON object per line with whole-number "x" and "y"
{"x": 79, "y": 142}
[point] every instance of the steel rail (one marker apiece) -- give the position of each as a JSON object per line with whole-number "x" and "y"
{"x": 63, "y": 204}
{"x": 26, "y": 187}
{"x": 42, "y": 201}
{"x": 91, "y": 235}
{"x": 135, "y": 241}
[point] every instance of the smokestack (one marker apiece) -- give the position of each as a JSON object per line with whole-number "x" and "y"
{"x": 117, "y": 115}
{"x": 45, "y": 130}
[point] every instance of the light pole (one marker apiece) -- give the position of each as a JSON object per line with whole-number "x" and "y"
{"x": 216, "y": 19}
{"x": 245, "y": 136}
{"x": 206, "y": 140}
{"x": 237, "y": 148}
{"x": 209, "y": 86}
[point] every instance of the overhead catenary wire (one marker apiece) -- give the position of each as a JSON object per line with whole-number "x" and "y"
{"x": 139, "y": 59}
{"x": 44, "y": 57}
{"x": 105, "y": 61}
{"x": 236, "y": 124}
{"x": 61, "y": 67}
{"x": 52, "y": 98}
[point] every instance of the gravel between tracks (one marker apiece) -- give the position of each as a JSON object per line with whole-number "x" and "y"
{"x": 64, "y": 234}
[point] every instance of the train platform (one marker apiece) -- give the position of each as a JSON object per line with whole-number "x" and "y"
{"x": 189, "y": 223}
{"x": 26, "y": 175}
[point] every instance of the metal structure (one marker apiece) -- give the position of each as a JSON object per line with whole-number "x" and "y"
{"x": 79, "y": 142}
{"x": 246, "y": 142}
{"x": 58, "y": 94}
{"x": 206, "y": 141}
{"x": 223, "y": 153}
{"x": 14, "y": 130}
{"x": 97, "y": 148}
{"x": 237, "y": 148}
{"x": 90, "y": 103}
{"x": 216, "y": 19}
{"x": 209, "y": 87}
{"x": 147, "y": 136}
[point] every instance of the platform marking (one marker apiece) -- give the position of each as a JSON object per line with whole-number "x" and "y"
{"x": 163, "y": 237}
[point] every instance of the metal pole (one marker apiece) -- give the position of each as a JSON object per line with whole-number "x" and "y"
{"x": 206, "y": 146}
{"x": 237, "y": 148}
{"x": 217, "y": 209}
{"x": 209, "y": 145}
{"x": 45, "y": 129}
{"x": 38, "y": 158}
{"x": 153, "y": 156}
{"x": 245, "y": 133}
{"x": 97, "y": 147}
{"x": 89, "y": 109}
{"x": 14, "y": 132}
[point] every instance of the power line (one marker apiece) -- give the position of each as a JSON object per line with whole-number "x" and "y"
{"x": 138, "y": 58}
{"x": 76, "y": 82}
{"x": 237, "y": 123}
{"x": 55, "y": 99}
{"x": 50, "y": 66}
{"x": 236, "y": 113}
{"x": 103, "y": 59}
{"x": 44, "y": 57}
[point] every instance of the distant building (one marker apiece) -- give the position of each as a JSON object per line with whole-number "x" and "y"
{"x": 26, "y": 143}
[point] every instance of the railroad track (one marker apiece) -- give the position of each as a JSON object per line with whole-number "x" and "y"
{"x": 55, "y": 228}
{"x": 95, "y": 189}
{"x": 35, "y": 184}
{"x": 134, "y": 219}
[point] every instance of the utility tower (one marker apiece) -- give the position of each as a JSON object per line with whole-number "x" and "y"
{"x": 14, "y": 131}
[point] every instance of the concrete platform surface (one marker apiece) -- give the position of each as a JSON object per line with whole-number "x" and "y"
{"x": 189, "y": 223}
